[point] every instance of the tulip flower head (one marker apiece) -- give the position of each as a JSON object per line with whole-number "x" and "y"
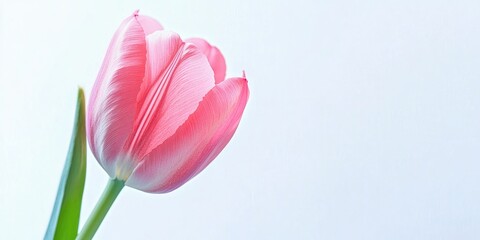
{"x": 161, "y": 109}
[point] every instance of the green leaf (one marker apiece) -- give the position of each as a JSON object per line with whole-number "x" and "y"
{"x": 66, "y": 211}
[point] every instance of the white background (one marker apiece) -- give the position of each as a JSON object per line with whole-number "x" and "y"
{"x": 363, "y": 121}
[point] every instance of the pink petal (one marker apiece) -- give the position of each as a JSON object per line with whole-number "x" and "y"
{"x": 177, "y": 77}
{"x": 214, "y": 56}
{"x": 113, "y": 100}
{"x": 196, "y": 143}
{"x": 149, "y": 24}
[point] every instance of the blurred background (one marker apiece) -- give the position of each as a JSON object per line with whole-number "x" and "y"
{"x": 363, "y": 121}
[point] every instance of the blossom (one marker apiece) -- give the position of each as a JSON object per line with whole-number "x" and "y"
{"x": 161, "y": 109}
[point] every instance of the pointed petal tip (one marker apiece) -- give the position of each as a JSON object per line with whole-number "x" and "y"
{"x": 244, "y": 76}
{"x": 135, "y": 13}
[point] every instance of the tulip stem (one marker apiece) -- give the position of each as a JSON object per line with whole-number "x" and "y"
{"x": 109, "y": 195}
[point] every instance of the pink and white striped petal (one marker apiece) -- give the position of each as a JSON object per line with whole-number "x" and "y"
{"x": 196, "y": 143}
{"x": 113, "y": 99}
{"x": 214, "y": 56}
{"x": 177, "y": 77}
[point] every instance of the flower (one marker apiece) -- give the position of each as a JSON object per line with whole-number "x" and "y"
{"x": 161, "y": 109}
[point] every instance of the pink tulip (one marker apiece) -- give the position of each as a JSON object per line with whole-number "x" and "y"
{"x": 160, "y": 110}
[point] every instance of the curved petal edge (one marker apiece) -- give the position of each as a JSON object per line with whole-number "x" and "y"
{"x": 196, "y": 143}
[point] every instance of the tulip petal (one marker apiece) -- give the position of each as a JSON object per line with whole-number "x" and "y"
{"x": 214, "y": 56}
{"x": 196, "y": 143}
{"x": 177, "y": 77}
{"x": 113, "y": 99}
{"x": 149, "y": 24}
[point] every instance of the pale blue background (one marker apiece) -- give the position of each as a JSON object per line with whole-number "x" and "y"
{"x": 363, "y": 122}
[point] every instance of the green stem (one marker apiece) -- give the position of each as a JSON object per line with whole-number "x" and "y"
{"x": 109, "y": 195}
